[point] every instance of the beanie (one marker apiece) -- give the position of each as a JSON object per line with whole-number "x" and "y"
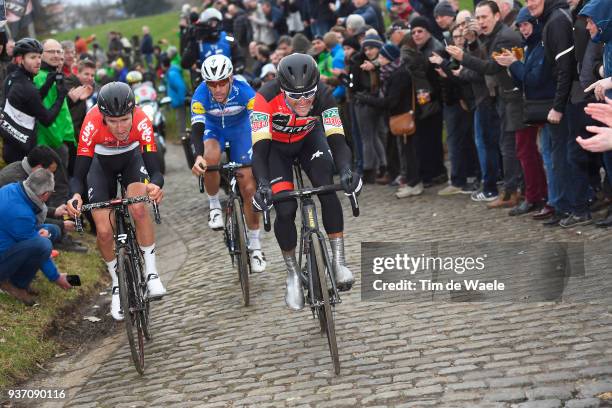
{"x": 390, "y": 52}
{"x": 372, "y": 40}
{"x": 444, "y": 8}
{"x": 420, "y": 21}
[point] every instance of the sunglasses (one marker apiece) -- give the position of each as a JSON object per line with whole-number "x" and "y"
{"x": 217, "y": 84}
{"x": 299, "y": 95}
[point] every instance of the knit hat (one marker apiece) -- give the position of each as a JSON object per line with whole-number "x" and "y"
{"x": 390, "y": 52}
{"x": 372, "y": 40}
{"x": 444, "y": 8}
{"x": 420, "y": 21}
{"x": 351, "y": 42}
{"x": 524, "y": 16}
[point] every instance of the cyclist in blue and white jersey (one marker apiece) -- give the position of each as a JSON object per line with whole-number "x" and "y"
{"x": 220, "y": 111}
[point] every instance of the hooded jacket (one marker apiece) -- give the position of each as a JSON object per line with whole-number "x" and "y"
{"x": 600, "y": 11}
{"x": 558, "y": 41}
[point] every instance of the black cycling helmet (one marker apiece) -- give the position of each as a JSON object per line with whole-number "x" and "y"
{"x": 298, "y": 73}
{"x": 116, "y": 99}
{"x": 27, "y": 45}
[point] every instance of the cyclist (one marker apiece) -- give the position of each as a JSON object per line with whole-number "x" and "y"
{"x": 221, "y": 105}
{"x": 117, "y": 138}
{"x": 295, "y": 116}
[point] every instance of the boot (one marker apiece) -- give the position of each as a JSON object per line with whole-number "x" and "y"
{"x": 294, "y": 295}
{"x": 344, "y": 277}
{"x": 369, "y": 176}
{"x": 507, "y": 200}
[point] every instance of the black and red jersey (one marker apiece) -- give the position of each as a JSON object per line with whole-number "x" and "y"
{"x": 273, "y": 119}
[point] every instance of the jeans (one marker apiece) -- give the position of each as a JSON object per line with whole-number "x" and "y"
{"x": 579, "y": 160}
{"x": 546, "y": 151}
{"x": 409, "y": 159}
{"x": 21, "y": 261}
{"x": 461, "y": 150}
{"x": 55, "y": 233}
{"x": 561, "y": 174}
{"x": 487, "y": 145}
{"x": 371, "y": 128}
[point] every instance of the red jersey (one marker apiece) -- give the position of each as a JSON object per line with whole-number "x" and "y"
{"x": 96, "y": 138}
{"x": 273, "y": 119}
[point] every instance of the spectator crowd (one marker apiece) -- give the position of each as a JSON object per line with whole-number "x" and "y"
{"x": 504, "y": 102}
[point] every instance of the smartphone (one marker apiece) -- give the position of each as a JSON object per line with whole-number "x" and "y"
{"x": 73, "y": 280}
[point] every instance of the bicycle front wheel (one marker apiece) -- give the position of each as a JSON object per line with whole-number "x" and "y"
{"x": 132, "y": 309}
{"x": 324, "y": 311}
{"x": 241, "y": 250}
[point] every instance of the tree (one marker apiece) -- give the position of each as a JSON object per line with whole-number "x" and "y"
{"x": 139, "y": 8}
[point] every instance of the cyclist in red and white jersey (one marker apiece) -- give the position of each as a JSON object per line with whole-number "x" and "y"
{"x": 117, "y": 138}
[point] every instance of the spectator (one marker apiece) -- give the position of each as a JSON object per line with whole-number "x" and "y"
{"x": 115, "y": 46}
{"x": 345, "y": 8}
{"x": 559, "y": 45}
{"x": 401, "y": 9}
{"x": 369, "y": 119}
{"x": 268, "y": 73}
{"x": 61, "y": 132}
{"x": 445, "y": 17}
{"x": 300, "y": 43}
{"x": 176, "y": 89}
{"x": 366, "y": 10}
{"x": 25, "y": 246}
{"x": 146, "y": 46}
{"x": 322, "y": 16}
{"x": 25, "y": 101}
{"x": 81, "y": 45}
{"x": 69, "y": 67}
{"x": 263, "y": 28}
{"x": 508, "y": 9}
{"x": 242, "y": 29}
{"x": 429, "y": 113}
{"x": 5, "y": 60}
{"x": 354, "y": 23}
{"x": 324, "y": 60}
{"x": 80, "y": 88}
{"x": 284, "y": 46}
{"x": 534, "y": 78}
{"x": 16, "y": 172}
{"x": 425, "y": 9}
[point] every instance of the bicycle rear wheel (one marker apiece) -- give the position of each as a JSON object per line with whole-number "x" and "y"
{"x": 132, "y": 309}
{"x": 326, "y": 318}
{"x": 241, "y": 250}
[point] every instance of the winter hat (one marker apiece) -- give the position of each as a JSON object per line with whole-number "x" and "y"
{"x": 420, "y": 21}
{"x": 372, "y": 40}
{"x": 390, "y": 52}
{"x": 351, "y": 42}
{"x": 444, "y": 8}
{"x": 524, "y": 16}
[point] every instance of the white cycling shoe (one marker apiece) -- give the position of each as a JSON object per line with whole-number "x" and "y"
{"x": 155, "y": 288}
{"x": 116, "y": 311}
{"x": 258, "y": 261}
{"x": 215, "y": 219}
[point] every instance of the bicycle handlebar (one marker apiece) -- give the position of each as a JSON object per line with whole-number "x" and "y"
{"x": 216, "y": 167}
{"x": 307, "y": 192}
{"x": 117, "y": 202}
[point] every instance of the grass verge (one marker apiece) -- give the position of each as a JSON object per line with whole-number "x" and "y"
{"x": 25, "y": 341}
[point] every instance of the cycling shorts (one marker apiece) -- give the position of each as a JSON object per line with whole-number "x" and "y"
{"x": 103, "y": 172}
{"x": 241, "y": 149}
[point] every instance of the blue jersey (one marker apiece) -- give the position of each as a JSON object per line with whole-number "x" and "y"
{"x": 228, "y": 121}
{"x": 222, "y": 46}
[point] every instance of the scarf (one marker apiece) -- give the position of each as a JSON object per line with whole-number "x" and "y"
{"x": 26, "y": 166}
{"x": 40, "y": 204}
{"x": 386, "y": 72}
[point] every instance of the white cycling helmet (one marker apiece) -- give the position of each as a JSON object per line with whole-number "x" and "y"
{"x": 209, "y": 14}
{"x": 217, "y": 68}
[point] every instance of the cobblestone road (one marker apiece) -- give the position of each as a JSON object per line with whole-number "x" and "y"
{"x": 209, "y": 350}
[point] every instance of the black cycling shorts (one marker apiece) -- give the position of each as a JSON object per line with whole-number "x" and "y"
{"x": 103, "y": 172}
{"x": 316, "y": 160}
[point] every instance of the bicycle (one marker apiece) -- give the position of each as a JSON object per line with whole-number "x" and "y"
{"x": 130, "y": 271}
{"x": 234, "y": 230}
{"x": 316, "y": 275}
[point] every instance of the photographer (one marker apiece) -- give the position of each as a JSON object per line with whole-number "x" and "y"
{"x": 205, "y": 38}
{"x": 23, "y": 106}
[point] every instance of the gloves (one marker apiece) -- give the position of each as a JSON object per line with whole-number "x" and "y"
{"x": 351, "y": 182}
{"x": 262, "y": 199}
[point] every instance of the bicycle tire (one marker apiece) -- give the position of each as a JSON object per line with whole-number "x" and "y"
{"x": 130, "y": 307}
{"x": 241, "y": 250}
{"x": 142, "y": 293}
{"x": 326, "y": 317}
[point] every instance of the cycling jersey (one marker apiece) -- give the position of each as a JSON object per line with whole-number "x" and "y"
{"x": 101, "y": 156}
{"x": 273, "y": 119}
{"x": 227, "y": 121}
{"x": 96, "y": 138}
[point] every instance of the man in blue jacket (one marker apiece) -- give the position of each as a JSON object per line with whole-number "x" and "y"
{"x": 176, "y": 88}
{"x": 25, "y": 246}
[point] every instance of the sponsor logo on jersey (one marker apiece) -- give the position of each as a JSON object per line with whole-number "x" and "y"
{"x": 197, "y": 108}
{"x": 86, "y": 135}
{"x": 259, "y": 121}
{"x": 331, "y": 118}
{"x": 145, "y": 130}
